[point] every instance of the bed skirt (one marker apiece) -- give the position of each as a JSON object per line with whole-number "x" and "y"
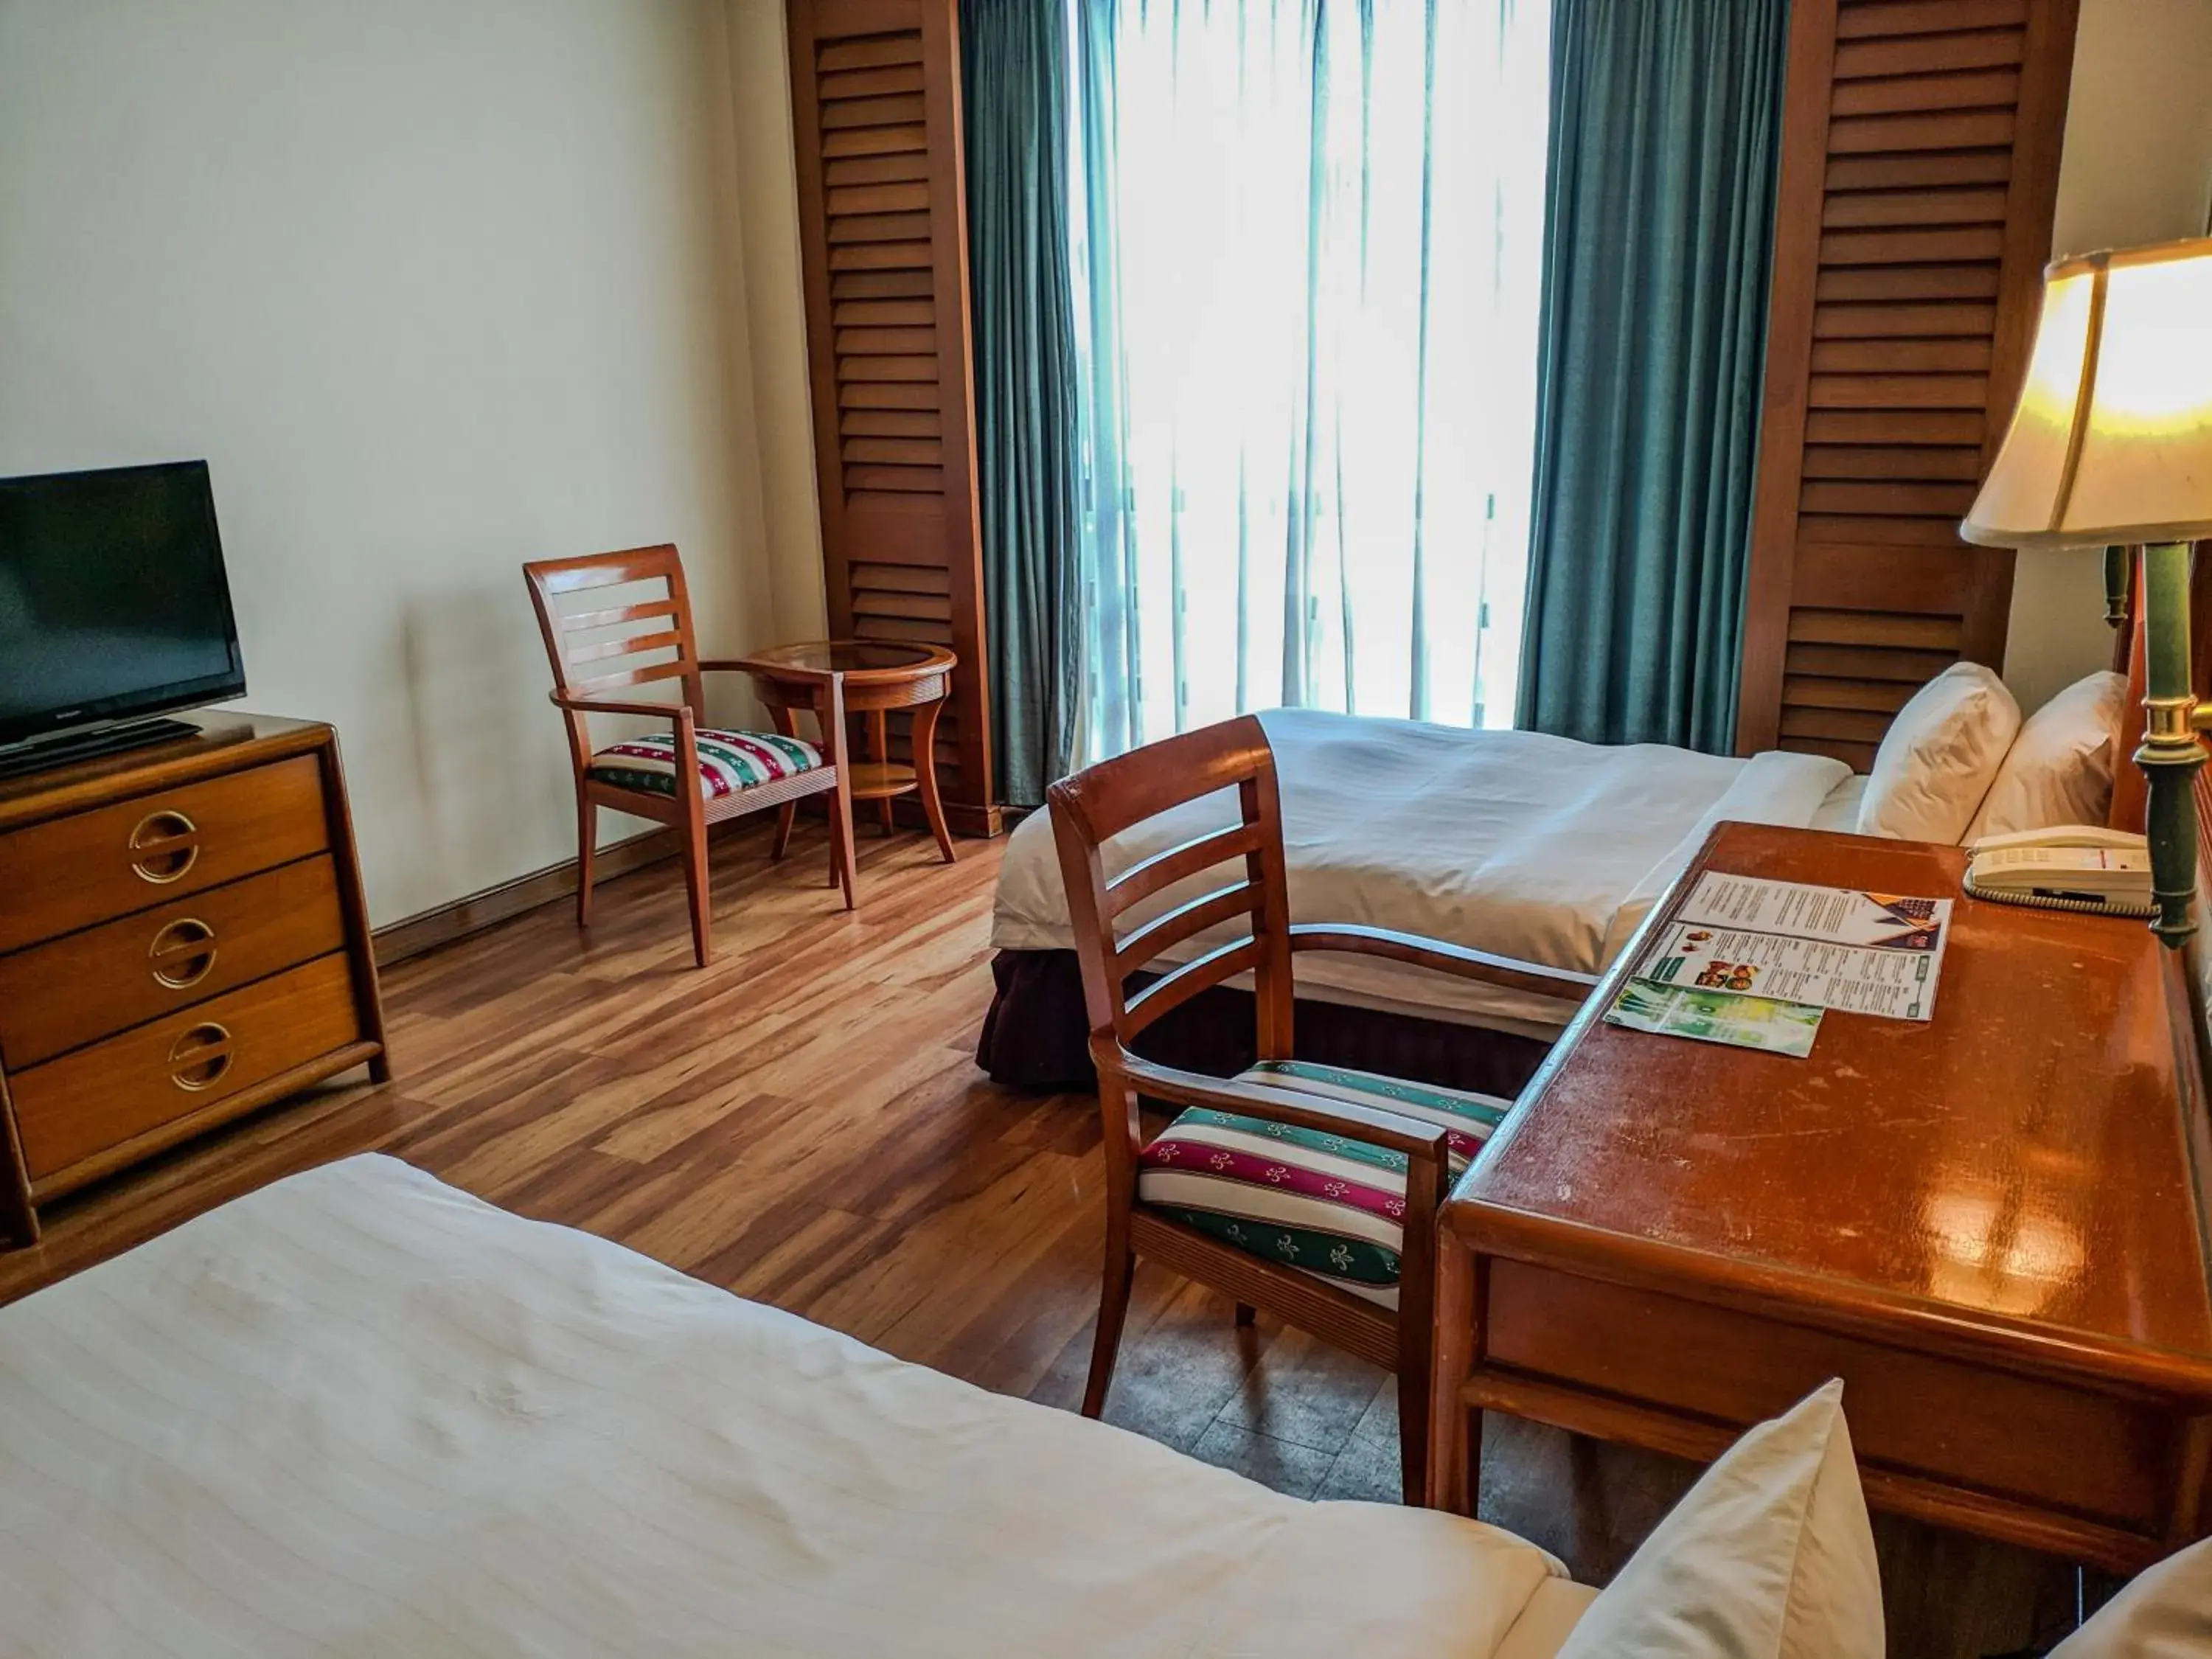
{"x": 1036, "y": 1035}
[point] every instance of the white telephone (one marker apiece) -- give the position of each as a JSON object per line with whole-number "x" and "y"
{"x": 2072, "y": 866}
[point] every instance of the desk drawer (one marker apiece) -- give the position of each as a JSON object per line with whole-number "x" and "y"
{"x": 76, "y": 989}
{"x": 1978, "y": 1427}
{"x": 91, "y": 867}
{"x": 69, "y": 1110}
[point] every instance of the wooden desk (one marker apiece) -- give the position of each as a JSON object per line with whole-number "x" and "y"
{"x": 1992, "y": 1225}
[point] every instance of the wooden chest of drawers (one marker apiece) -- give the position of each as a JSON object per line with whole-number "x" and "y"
{"x": 182, "y": 941}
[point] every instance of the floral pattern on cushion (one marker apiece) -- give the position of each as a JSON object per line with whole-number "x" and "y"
{"x": 1326, "y": 1204}
{"x": 729, "y": 762}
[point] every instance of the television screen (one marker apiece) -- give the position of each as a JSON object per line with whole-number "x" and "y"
{"x": 112, "y": 600}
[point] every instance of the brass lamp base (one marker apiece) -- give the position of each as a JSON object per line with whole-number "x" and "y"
{"x": 2172, "y": 751}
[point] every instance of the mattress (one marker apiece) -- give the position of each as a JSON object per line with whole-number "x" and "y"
{"x": 1515, "y": 842}
{"x": 361, "y": 1413}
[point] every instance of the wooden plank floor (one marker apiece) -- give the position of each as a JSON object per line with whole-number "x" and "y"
{"x": 803, "y": 1123}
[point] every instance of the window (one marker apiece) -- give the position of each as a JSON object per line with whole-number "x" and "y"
{"x": 1308, "y": 254}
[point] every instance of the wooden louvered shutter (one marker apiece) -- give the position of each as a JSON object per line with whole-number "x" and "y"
{"x": 1919, "y": 170}
{"x": 884, "y": 239}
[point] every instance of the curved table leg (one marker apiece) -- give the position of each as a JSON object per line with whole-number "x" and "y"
{"x": 924, "y": 744}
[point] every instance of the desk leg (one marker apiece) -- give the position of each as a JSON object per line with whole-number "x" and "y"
{"x": 1455, "y": 1447}
{"x": 924, "y": 744}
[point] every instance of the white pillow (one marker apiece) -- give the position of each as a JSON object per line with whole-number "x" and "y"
{"x": 1770, "y": 1556}
{"x": 1940, "y": 757}
{"x": 2059, "y": 768}
{"x": 2167, "y": 1614}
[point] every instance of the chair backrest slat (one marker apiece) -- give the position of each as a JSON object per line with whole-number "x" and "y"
{"x": 631, "y": 644}
{"x": 570, "y": 646}
{"x": 1163, "y": 933}
{"x": 1179, "y": 863}
{"x": 577, "y": 621}
{"x": 1178, "y": 986}
{"x": 1100, "y": 802}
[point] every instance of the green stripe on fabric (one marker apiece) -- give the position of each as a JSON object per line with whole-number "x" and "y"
{"x": 802, "y": 757}
{"x": 1384, "y": 1088}
{"x": 745, "y": 768}
{"x": 1329, "y": 1254}
{"x": 622, "y": 777}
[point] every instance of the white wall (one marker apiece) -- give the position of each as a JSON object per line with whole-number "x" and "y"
{"x": 767, "y": 196}
{"x": 436, "y": 285}
{"x": 2136, "y": 168}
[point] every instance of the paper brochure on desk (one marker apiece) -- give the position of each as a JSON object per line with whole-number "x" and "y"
{"x": 1838, "y": 915}
{"x": 1828, "y": 947}
{"x": 1741, "y": 1022}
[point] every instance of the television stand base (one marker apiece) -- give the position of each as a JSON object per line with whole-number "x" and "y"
{"x": 90, "y": 745}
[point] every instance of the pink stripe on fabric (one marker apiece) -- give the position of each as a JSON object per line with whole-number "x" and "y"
{"x": 774, "y": 761}
{"x": 1169, "y": 1153}
{"x": 713, "y": 774}
{"x": 716, "y": 777}
{"x": 641, "y": 750}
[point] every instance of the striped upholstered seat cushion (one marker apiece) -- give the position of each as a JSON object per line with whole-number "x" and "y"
{"x": 728, "y": 762}
{"x": 1333, "y": 1206}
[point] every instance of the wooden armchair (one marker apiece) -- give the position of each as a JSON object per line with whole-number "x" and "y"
{"x": 651, "y": 639}
{"x": 1310, "y": 1191}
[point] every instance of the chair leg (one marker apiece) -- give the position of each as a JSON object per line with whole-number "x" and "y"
{"x": 1471, "y": 1458}
{"x": 587, "y": 840}
{"x": 843, "y": 869}
{"x": 1413, "y": 1431}
{"x": 786, "y": 815}
{"x": 695, "y": 882}
{"x": 1113, "y": 1312}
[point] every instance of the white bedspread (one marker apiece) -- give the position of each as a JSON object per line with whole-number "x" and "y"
{"x": 1530, "y": 846}
{"x": 359, "y": 1412}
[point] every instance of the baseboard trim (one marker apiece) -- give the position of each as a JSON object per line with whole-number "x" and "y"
{"x": 981, "y": 822}
{"x": 430, "y": 929}
{"x": 447, "y": 923}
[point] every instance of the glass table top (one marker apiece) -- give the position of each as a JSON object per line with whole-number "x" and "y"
{"x": 889, "y": 658}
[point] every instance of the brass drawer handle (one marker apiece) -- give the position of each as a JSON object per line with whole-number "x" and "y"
{"x": 166, "y": 844}
{"x": 182, "y": 953}
{"x": 199, "y": 1059}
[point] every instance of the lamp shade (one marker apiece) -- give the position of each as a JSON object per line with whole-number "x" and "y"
{"x": 2111, "y": 441}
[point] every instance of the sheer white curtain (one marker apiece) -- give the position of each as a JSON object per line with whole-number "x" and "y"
{"x": 1308, "y": 240}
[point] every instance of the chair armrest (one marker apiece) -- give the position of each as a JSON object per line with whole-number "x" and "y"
{"x": 674, "y": 712}
{"x": 1509, "y": 972}
{"x": 1417, "y": 1140}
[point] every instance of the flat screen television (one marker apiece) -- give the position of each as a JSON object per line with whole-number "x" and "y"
{"x": 113, "y": 607}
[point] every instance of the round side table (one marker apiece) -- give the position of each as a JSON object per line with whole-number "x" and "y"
{"x": 880, "y": 676}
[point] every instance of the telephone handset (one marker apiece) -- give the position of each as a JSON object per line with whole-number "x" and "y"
{"x": 2072, "y": 866}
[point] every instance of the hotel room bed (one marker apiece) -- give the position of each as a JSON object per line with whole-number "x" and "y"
{"x": 1513, "y": 842}
{"x": 359, "y": 1412}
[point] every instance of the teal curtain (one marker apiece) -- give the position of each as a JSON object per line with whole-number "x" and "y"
{"x": 1666, "y": 137}
{"x": 1014, "y": 54}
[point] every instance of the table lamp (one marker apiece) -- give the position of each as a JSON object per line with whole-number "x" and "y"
{"x": 2111, "y": 445}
